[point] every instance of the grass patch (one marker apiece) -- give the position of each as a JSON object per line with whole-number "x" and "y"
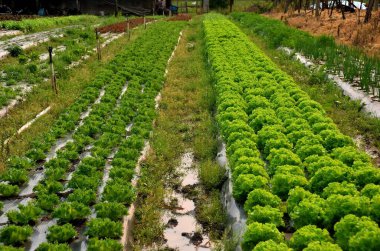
{"x": 185, "y": 121}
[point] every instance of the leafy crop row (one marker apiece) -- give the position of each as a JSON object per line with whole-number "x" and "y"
{"x": 292, "y": 168}
{"x": 353, "y": 63}
{"x": 36, "y": 24}
{"x": 141, "y": 65}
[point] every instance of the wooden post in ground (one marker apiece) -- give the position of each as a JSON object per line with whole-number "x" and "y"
{"x": 128, "y": 31}
{"x": 53, "y": 77}
{"x": 144, "y": 22}
{"x": 98, "y": 48}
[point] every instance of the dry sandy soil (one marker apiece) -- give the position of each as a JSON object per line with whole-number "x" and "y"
{"x": 348, "y": 31}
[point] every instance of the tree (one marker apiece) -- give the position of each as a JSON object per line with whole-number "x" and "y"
{"x": 368, "y": 13}
{"x": 305, "y": 235}
{"x": 258, "y": 232}
{"x": 61, "y": 234}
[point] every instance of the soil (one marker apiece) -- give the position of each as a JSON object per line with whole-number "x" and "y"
{"x": 348, "y": 31}
{"x": 122, "y": 26}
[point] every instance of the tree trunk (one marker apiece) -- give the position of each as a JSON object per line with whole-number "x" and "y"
{"x": 332, "y": 8}
{"x": 376, "y": 7}
{"x": 368, "y": 13}
{"x": 317, "y": 8}
{"x": 116, "y": 7}
{"x": 287, "y": 3}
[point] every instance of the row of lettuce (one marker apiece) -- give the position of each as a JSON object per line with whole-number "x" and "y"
{"x": 43, "y": 23}
{"x": 115, "y": 131}
{"x": 31, "y": 70}
{"x": 354, "y": 64}
{"x": 293, "y": 170}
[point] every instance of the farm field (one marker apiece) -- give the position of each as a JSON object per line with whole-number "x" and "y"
{"x": 192, "y": 132}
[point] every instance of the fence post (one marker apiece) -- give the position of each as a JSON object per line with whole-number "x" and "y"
{"x": 128, "y": 31}
{"x": 98, "y": 49}
{"x": 53, "y": 77}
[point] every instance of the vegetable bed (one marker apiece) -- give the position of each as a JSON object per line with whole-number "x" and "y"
{"x": 113, "y": 134}
{"x": 296, "y": 173}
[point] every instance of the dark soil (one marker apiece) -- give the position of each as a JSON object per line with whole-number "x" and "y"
{"x": 122, "y": 26}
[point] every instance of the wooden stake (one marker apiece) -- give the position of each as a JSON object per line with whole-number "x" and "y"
{"x": 144, "y": 22}
{"x": 53, "y": 77}
{"x": 98, "y": 48}
{"x": 129, "y": 31}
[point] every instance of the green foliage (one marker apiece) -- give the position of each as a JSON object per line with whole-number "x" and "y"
{"x": 271, "y": 245}
{"x": 265, "y": 214}
{"x": 7, "y": 190}
{"x": 15, "y": 51}
{"x": 104, "y": 245}
{"x": 343, "y": 188}
{"x": 71, "y": 212}
{"x": 118, "y": 192}
{"x": 326, "y": 175}
{"x": 305, "y": 235}
{"x": 370, "y": 190}
{"x": 245, "y": 183}
{"x": 283, "y": 183}
{"x": 281, "y": 157}
{"x": 258, "y": 232}
{"x": 47, "y": 202}
{"x": 53, "y": 247}
{"x": 9, "y": 248}
{"x": 104, "y": 228}
{"x": 27, "y": 214}
{"x": 15, "y": 235}
{"x": 61, "y": 234}
{"x": 112, "y": 210}
{"x": 211, "y": 174}
{"x": 366, "y": 240}
{"x": 341, "y": 205}
{"x": 309, "y": 211}
{"x": 322, "y": 246}
{"x": 261, "y": 197}
{"x": 83, "y": 196}
{"x": 349, "y": 226}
